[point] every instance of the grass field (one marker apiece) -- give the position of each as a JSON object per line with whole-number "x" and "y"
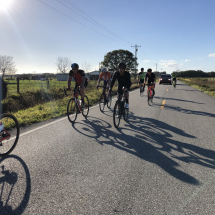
{"x": 206, "y": 85}
{"x": 37, "y": 103}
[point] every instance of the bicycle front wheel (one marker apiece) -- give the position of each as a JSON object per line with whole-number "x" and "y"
{"x": 85, "y": 110}
{"x": 102, "y": 102}
{"x": 72, "y": 110}
{"x": 126, "y": 111}
{"x": 116, "y": 114}
{"x": 9, "y": 135}
{"x": 141, "y": 91}
{"x": 109, "y": 102}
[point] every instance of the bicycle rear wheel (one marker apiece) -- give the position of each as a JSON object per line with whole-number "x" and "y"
{"x": 9, "y": 135}
{"x": 102, "y": 102}
{"x": 141, "y": 91}
{"x": 85, "y": 110}
{"x": 116, "y": 114}
{"x": 149, "y": 99}
{"x": 72, "y": 110}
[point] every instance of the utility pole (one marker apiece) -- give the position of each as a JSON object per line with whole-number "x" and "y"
{"x": 136, "y": 46}
{"x": 156, "y": 66}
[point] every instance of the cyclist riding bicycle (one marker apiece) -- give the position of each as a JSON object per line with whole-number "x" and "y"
{"x": 106, "y": 76}
{"x": 80, "y": 80}
{"x": 124, "y": 80}
{"x": 150, "y": 77}
{"x": 174, "y": 77}
{"x": 141, "y": 77}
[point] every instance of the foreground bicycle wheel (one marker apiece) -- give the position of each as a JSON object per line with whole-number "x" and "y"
{"x": 150, "y": 99}
{"x": 10, "y": 135}
{"x": 116, "y": 115}
{"x": 72, "y": 110}
{"x": 102, "y": 102}
{"x": 85, "y": 110}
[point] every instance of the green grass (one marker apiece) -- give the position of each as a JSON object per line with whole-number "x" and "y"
{"x": 206, "y": 85}
{"x": 36, "y": 105}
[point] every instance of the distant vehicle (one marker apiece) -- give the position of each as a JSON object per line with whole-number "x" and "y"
{"x": 165, "y": 78}
{"x": 42, "y": 79}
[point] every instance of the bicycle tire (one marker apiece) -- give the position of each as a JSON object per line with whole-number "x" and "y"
{"x": 11, "y": 127}
{"x": 85, "y": 110}
{"x": 116, "y": 111}
{"x": 102, "y": 102}
{"x": 72, "y": 111}
{"x": 109, "y": 102}
{"x": 125, "y": 116}
{"x": 149, "y": 99}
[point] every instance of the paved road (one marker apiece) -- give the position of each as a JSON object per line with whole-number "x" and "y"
{"x": 161, "y": 162}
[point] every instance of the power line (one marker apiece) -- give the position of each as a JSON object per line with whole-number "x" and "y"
{"x": 92, "y": 20}
{"x": 77, "y": 21}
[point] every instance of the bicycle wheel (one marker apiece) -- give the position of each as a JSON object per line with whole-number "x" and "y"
{"x": 10, "y": 135}
{"x": 72, "y": 110}
{"x": 116, "y": 114}
{"x": 85, "y": 110}
{"x": 102, "y": 102}
{"x": 149, "y": 99}
{"x": 126, "y": 111}
{"x": 109, "y": 102}
{"x": 141, "y": 91}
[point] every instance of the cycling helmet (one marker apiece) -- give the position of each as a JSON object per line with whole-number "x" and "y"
{"x": 75, "y": 66}
{"x": 149, "y": 70}
{"x": 122, "y": 65}
{"x": 142, "y": 69}
{"x": 104, "y": 69}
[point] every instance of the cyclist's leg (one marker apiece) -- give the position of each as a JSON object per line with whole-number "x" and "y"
{"x": 126, "y": 94}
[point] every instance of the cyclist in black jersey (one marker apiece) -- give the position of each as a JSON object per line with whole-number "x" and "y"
{"x": 150, "y": 77}
{"x": 124, "y": 80}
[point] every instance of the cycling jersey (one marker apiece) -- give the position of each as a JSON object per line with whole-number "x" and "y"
{"x": 150, "y": 78}
{"x": 174, "y": 75}
{"x": 123, "y": 81}
{"x": 105, "y": 76}
{"x": 78, "y": 78}
{"x": 142, "y": 75}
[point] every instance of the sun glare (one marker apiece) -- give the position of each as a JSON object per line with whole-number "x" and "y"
{"x": 4, "y": 4}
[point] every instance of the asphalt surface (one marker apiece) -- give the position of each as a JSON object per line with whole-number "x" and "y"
{"x": 161, "y": 162}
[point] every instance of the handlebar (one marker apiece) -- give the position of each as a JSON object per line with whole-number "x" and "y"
{"x": 71, "y": 90}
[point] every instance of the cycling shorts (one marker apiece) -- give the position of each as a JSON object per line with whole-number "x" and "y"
{"x": 120, "y": 90}
{"x": 141, "y": 81}
{"x": 174, "y": 79}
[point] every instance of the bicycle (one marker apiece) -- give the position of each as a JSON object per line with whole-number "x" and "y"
{"x": 10, "y": 134}
{"x": 150, "y": 94}
{"x": 103, "y": 99}
{"x": 119, "y": 109}
{"x": 141, "y": 89}
{"x": 174, "y": 84}
{"x": 74, "y": 106}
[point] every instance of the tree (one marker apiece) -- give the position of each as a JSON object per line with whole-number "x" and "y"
{"x": 7, "y": 66}
{"x": 86, "y": 67}
{"x": 112, "y": 60}
{"x": 63, "y": 64}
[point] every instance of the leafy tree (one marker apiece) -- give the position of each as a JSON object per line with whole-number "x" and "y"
{"x": 7, "y": 66}
{"x": 112, "y": 60}
{"x": 63, "y": 64}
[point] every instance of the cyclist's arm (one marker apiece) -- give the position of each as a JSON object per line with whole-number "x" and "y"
{"x": 69, "y": 82}
{"x": 99, "y": 81}
{"x": 82, "y": 82}
{"x": 113, "y": 80}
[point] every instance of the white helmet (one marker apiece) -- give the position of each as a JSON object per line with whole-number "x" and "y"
{"x": 104, "y": 69}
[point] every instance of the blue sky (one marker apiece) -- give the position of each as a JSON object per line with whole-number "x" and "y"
{"x": 175, "y": 34}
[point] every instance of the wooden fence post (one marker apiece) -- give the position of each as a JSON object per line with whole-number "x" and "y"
{"x": 17, "y": 85}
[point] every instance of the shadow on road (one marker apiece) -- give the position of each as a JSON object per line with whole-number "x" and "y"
{"x": 15, "y": 185}
{"x": 149, "y": 139}
{"x": 180, "y": 100}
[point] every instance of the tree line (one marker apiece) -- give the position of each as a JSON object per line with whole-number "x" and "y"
{"x": 194, "y": 73}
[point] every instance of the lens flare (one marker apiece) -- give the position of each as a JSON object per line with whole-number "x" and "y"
{"x": 4, "y": 4}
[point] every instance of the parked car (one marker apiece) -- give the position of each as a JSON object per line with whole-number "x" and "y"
{"x": 165, "y": 78}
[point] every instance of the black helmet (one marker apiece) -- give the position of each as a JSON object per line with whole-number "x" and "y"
{"x": 75, "y": 66}
{"x": 122, "y": 65}
{"x": 149, "y": 70}
{"x": 142, "y": 69}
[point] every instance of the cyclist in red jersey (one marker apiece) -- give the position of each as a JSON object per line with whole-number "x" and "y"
{"x": 80, "y": 80}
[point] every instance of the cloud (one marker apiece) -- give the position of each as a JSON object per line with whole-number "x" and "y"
{"x": 146, "y": 61}
{"x": 195, "y": 68}
{"x": 211, "y": 55}
{"x": 169, "y": 63}
{"x": 187, "y": 60}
